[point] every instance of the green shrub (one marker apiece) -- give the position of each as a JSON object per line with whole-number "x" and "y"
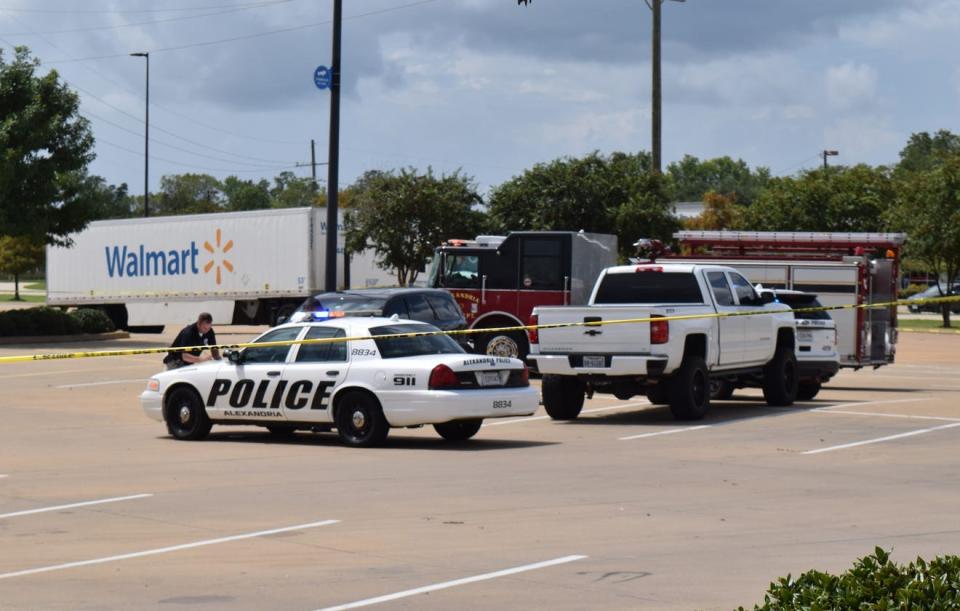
{"x": 93, "y": 321}
{"x": 911, "y": 290}
{"x": 874, "y": 582}
{"x": 38, "y": 321}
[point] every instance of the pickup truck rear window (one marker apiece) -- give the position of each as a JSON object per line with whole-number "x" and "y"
{"x": 649, "y": 287}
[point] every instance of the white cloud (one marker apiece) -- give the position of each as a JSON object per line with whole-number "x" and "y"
{"x": 850, "y": 84}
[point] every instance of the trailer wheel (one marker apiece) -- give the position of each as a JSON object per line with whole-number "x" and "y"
{"x": 808, "y": 390}
{"x": 690, "y": 390}
{"x": 780, "y": 378}
{"x": 562, "y": 397}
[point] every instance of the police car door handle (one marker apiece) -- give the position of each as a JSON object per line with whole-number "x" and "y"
{"x": 333, "y": 373}
{"x": 273, "y": 374}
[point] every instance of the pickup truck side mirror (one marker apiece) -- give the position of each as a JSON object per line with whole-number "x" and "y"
{"x": 235, "y": 357}
{"x": 767, "y": 297}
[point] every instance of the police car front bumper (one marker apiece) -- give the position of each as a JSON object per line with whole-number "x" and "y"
{"x": 412, "y": 408}
{"x": 152, "y": 404}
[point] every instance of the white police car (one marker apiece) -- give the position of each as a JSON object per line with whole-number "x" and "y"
{"x": 361, "y": 387}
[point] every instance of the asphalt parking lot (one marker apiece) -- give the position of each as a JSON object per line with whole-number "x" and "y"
{"x": 622, "y": 509}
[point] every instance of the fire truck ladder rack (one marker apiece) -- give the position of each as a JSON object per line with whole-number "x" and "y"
{"x": 786, "y": 244}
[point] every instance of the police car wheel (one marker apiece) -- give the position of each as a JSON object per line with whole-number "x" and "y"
{"x": 461, "y": 430}
{"x": 185, "y": 415}
{"x": 282, "y": 431}
{"x": 360, "y": 420}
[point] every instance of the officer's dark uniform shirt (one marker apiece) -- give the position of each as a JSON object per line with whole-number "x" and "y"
{"x": 190, "y": 336}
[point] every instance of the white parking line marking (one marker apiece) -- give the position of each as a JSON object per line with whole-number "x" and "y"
{"x": 454, "y": 583}
{"x": 586, "y": 411}
{"x": 667, "y": 432}
{"x": 863, "y": 403}
{"x": 141, "y": 380}
{"x": 837, "y": 411}
{"x": 2, "y": 476}
{"x": 72, "y": 505}
{"x": 164, "y": 550}
{"x": 880, "y": 439}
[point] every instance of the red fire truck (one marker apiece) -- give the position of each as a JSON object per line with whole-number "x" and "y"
{"x": 498, "y": 280}
{"x": 842, "y": 268}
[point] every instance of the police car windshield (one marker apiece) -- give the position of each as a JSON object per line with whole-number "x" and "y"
{"x": 804, "y": 301}
{"x": 349, "y": 304}
{"x": 398, "y": 347}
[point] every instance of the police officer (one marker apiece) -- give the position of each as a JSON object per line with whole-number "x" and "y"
{"x": 199, "y": 333}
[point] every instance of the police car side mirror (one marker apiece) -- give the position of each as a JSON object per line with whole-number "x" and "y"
{"x": 234, "y": 356}
{"x": 767, "y": 297}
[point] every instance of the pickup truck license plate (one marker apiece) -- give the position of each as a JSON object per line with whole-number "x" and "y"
{"x": 805, "y": 335}
{"x": 594, "y": 362}
{"x": 489, "y": 378}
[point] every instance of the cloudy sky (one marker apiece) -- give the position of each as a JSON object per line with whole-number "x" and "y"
{"x": 492, "y": 87}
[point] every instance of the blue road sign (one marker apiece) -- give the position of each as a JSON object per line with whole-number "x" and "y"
{"x": 322, "y": 77}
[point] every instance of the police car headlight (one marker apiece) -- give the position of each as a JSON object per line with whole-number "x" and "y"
{"x": 153, "y": 384}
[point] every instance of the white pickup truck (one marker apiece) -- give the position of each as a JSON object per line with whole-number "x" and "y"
{"x": 670, "y": 361}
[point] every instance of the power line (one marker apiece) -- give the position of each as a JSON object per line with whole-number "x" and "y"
{"x": 150, "y": 10}
{"x": 248, "y": 36}
{"x": 153, "y": 22}
{"x": 190, "y": 165}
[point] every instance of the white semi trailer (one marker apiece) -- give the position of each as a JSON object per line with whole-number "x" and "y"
{"x": 242, "y": 267}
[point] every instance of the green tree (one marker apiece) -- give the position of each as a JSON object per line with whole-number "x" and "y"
{"x": 19, "y": 255}
{"x": 604, "y": 194}
{"x": 692, "y": 179}
{"x": 837, "y": 199}
{"x": 925, "y": 152}
{"x": 109, "y": 201}
{"x": 404, "y": 215}
{"x": 291, "y": 191}
{"x": 45, "y": 147}
{"x": 246, "y": 194}
{"x": 719, "y": 212}
{"x": 928, "y": 210}
{"x": 189, "y": 194}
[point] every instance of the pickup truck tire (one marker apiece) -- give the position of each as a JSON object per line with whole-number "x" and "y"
{"x": 562, "y": 397}
{"x": 780, "y": 378}
{"x": 721, "y": 390}
{"x": 690, "y": 390}
{"x": 808, "y": 390}
{"x": 659, "y": 394}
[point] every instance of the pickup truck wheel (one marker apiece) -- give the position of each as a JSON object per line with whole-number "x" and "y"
{"x": 562, "y": 397}
{"x": 721, "y": 390}
{"x": 780, "y": 379}
{"x": 185, "y": 415}
{"x": 460, "y": 430}
{"x": 690, "y": 390}
{"x": 659, "y": 394}
{"x": 808, "y": 390}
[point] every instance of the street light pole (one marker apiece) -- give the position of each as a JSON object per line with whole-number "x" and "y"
{"x": 146, "y": 142}
{"x": 333, "y": 159}
{"x": 655, "y": 112}
{"x": 828, "y": 154}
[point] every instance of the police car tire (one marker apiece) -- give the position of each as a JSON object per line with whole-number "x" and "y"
{"x": 780, "y": 379}
{"x": 690, "y": 390}
{"x": 562, "y": 397}
{"x": 460, "y": 430}
{"x": 354, "y": 406}
{"x": 197, "y": 426}
{"x": 808, "y": 390}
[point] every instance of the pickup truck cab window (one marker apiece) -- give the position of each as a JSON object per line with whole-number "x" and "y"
{"x": 721, "y": 288}
{"x": 745, "y": 293}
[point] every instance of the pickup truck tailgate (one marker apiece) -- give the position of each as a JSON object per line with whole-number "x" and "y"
{"x": 621, "y": 338}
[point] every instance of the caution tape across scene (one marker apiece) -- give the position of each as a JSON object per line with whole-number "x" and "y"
{"x": 53, "y": 356}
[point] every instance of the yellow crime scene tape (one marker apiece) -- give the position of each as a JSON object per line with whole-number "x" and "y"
{"x": 599, "y": 323}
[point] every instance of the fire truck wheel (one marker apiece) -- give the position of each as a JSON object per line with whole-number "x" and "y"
{"x": 562, "y": 397}
{"x": 808, "y": 390}
{"x": 721, "y": 390}
{"x": 513, "y": 345}
{"x": 780, "y": 378}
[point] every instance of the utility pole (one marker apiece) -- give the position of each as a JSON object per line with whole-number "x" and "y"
{"x": 655, "y": 128}
{"x": 313, "y": 162}
{"x": 146, "y": 141}
{"x": 828, "y": 154}
{"x": 334, "y": 157}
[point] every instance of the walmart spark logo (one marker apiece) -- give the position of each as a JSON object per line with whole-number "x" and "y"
{"x": 223, "y": 261}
